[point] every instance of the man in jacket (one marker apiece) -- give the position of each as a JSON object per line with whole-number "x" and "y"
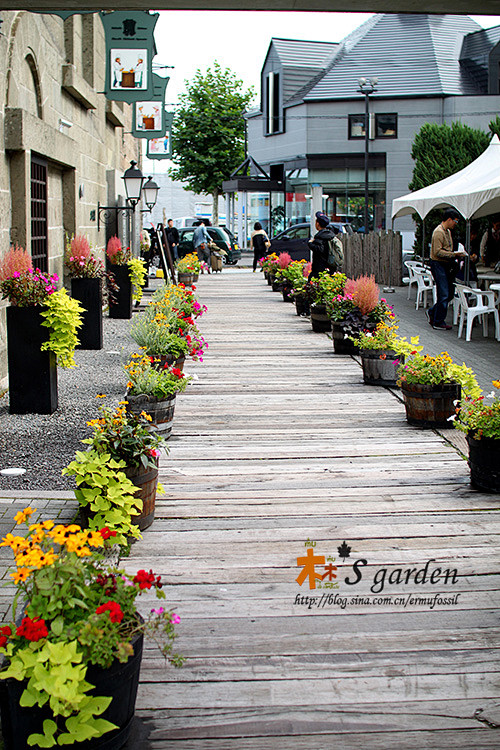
{"x": 443, "y": 268}
{"x": 173, "y": 238}
{"x": 319, "y": 245}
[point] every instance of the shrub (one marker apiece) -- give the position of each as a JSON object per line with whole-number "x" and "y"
{"x": 364, "y": 291}
{"x": 15, "y": 260}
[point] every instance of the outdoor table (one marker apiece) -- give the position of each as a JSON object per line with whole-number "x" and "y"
{"x": 496, "y": 289}
{"x": 488, "y": 276}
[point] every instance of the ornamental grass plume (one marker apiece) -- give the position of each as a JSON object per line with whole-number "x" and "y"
{"x": 306, "y": 270}
{"x": 115, "y": 252}
{"x": 364, "y": 291}
{"x": 79, "y": 246}
{"x": 284, "y": 260}
{"x": 16, "y": 260}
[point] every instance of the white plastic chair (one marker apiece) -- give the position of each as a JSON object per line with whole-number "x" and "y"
{"x": 411, "y": 265}
{"x": 425, "y": 284}
{"x": 474, "y": 303}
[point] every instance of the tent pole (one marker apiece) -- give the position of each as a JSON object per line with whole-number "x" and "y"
{"x": 467, "y": 247}
{"x": 389, "y": 289}
{"x": 423, "y": 238}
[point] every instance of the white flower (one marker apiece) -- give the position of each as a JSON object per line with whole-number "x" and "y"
{"x": 452, "y": 418}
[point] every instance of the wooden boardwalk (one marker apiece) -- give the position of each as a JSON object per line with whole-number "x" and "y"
{"x": 278, "y": 443}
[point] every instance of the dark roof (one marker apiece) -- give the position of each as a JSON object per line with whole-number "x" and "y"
{"x": 411, "y": 54}
{"x": 300, "y": 62}
{"x": 474, "y": 57}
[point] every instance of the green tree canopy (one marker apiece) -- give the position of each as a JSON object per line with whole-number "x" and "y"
{"x": 439, "y": 151}
{"x": 208, "y": 132}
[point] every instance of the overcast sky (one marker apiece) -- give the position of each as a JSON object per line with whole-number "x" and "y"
{"x": 189, "y": 40}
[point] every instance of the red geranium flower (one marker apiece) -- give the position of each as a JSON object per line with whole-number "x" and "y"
{"x": 114, "y": 609}
{"x": 146, "y": 580}
{"x": 105, "y": 532}
{"x": 5, "y": 631}
{"x": 178, "y": 373}
{"x": 32, "y": 629}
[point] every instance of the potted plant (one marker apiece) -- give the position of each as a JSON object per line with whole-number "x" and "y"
{"x": 299, "y": 291}
{"x": 321, "y": 290}
{"x": 187, "y": 268}
{"x": 86, "y": 273}
{"x": 382, "y": 351}
{"x": 73, "y": 656}
{"x": 125, "y": 437}
{"x": 270, "y": 267}
{"x": 284, "y": 260}
{"x": 42, "y": 325}
{"x": 431, "y": 385}
{"x": 120, "y": 301}
{"x": 153, "y": 391}
{"x": 356, "y": 309}
{"x": 479, "y": 417}
{"x": 289, "y": 275}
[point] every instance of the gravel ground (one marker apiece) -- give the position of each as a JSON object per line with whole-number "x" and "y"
{"x": 43, "y": 444}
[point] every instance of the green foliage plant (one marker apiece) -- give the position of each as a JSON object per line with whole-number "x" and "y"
{"x": 79, "y": 611}
{"x": 137, "y": 277}
{"x": 106, "y": 492}
{"x": 158, "y": 340}
{"x": 425, "y": 369}
{"x": 479, "y": 415}
{"x": 204, "y": 155}
{"x": 326, "y": 287}
{"x": 63, "y": 317}
{"x": 146, "y": 379}
{"x": 189, "y": 264}
{"x": 385, "y": 338}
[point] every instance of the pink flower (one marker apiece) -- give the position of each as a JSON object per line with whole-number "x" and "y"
{"x": 175, "y": 619}
{"x": 16, "y": 275}
{"x": 154, "y": 452}
{"x": 159, "y": 611}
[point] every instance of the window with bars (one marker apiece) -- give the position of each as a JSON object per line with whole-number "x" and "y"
{"x": 39, "y": 230}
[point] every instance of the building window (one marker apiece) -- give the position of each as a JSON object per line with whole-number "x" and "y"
{"x": 381, "y": 126}
{"x": 386, "y": 126}
{"x": 356, "y": 126}
{"x": 39, "y": 233}
{"x": 274, "y": 119}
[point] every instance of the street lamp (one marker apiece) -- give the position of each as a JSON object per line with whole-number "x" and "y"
{"x": 150, "y": 193}
{"x": 134, "y": 180}
{"x": 367, "y": 86}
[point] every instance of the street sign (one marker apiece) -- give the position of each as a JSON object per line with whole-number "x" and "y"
{"x": 149, "y": 116}
{"x": 130, "y": 48}
{"x": 161, "y": 148}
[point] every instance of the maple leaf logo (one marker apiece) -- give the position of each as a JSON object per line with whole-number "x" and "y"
{"x": 344, "y": 551}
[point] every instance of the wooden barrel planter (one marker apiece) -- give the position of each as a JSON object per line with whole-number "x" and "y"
{"x": 146, "y": 481}
{"x": 277, "y": 286}
{"x": 185, "y": 278}
{"x": 119, "y": 681}
{"x": 320, "y": 320}
{"x": 161, "y": 411}
{"x": 484, "y": 463}
{"x": 380, "y": 366}
{"x": 120, "y": 304}
{"x": 342, "y": 344}
{"x": 286, "y": 291}
{"x": 89, "y": 293}
{"x": 430, "y": 405}
{"x": 32, "y": 373}
{"x": 302, "y": 305}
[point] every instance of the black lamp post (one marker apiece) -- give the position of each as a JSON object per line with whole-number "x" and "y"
{"x": 133, "y": 180}
{"x": 367, "y": 86}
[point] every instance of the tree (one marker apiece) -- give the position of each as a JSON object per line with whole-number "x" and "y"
{"x": 208, "y": 132}
{"x": 439, "y": 151}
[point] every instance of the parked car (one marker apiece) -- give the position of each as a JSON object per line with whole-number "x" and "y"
{"x": 294, "y": 240}
{"x": 218, "y": 235}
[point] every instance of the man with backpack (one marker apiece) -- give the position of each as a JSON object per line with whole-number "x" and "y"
{"x": 326, "y": 248}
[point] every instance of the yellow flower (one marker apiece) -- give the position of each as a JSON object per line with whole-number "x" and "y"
{"x": 23, "y": 515}
{"x": 14, "y": 542}
{"x": 496, "y": 383}
{"x": 100, "y": 395}
{"x": 21, "y": 574}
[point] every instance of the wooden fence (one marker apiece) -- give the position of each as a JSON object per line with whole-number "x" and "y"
{"x": 378, "y": 253}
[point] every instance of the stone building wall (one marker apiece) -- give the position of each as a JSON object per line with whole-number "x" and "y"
{"x": 52, "y": 108}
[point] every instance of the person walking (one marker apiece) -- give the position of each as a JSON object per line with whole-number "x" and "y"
{"x": 319, "y": 245}
{"x": 443, "y": 268}
{"x": 173, "y": 238}
{"x": 201, "y": 241}
{"x": 259, "y": 243}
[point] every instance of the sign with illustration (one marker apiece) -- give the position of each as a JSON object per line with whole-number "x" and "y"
{"x": 149, "y": 116}
{"x": 130, "y": 48}
{"x": 161, "y": 148}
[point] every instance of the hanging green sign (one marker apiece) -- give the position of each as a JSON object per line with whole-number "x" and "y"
{"x": 64, "y": 14}
{"x": 130, "y": 48}
{"x": 161, "y": 148}
{"x": 149, "y": 116}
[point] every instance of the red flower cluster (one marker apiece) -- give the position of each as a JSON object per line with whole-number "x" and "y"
{"x": 114, "y": 609}
{"x": 178, "y": 373}
{"x": 32, "y": 629}
{"x": 108, "y": 582}
{"x": 5, "y": 631}
{"x": 146, "y": 580}
{"x": 105, "y": 532}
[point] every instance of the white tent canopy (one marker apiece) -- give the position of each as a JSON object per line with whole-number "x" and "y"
{"x": 474, "y": 191}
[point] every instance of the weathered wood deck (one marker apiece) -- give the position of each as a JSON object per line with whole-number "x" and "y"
{"x": 279, "y": 442}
